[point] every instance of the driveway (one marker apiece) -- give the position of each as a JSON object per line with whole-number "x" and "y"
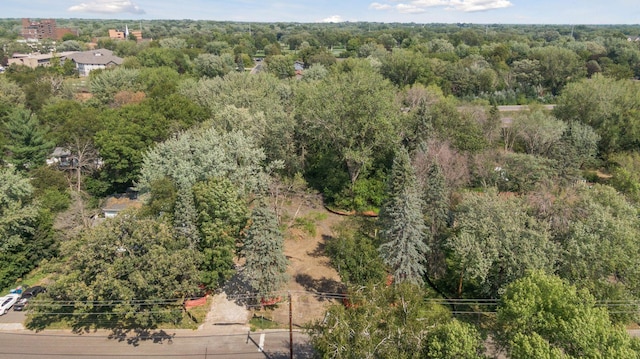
{"x": 12, "y": 320}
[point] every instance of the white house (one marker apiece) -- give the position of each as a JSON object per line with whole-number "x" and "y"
{"x": 87, "y": 61}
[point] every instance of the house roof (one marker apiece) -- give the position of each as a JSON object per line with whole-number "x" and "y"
{"x": 95, "y": 57}
{"x": 115, "y": 204}
{"x": 59, "y": 152}
{"x": 62, "y": 55}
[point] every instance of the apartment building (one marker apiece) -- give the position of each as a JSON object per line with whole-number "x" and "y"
{"x": 44, "y": 29}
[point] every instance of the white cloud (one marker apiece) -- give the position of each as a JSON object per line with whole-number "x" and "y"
{"x": 108, "y": 7}
{"x": 378, "y": 6}
{"x": 479, "y": 5}
{"x": 419, "y": 6}
{"x": 333, "y": 18}
{"x": 410, "y": 9}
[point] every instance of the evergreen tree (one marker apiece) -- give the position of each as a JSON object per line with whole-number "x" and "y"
{"x": 436, "y": 214}
{"x": 403, "y": 227}
{"x": 26, "y": 139}
{"x": 436, "y": 198}
{"x": 185, "y": 216}
{"x": 264, "y": 249}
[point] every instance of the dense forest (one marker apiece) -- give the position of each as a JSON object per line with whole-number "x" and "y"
{"x": 527, "y": 219}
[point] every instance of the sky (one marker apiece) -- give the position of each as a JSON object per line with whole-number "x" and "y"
{"x": 405, "y": 11}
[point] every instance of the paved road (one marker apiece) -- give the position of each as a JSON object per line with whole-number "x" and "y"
{"x": 516, "y": 108}
{"x": 163, "y": 344}
{"x": 257, "y": 69}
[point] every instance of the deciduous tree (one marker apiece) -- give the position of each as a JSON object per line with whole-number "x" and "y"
{"x": 541, "y": 315}
{"x": 222, "y": 216}
{"x": 130, "y": 270}
{"x": 496, "y": 241}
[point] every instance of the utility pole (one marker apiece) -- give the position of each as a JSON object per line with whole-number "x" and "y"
{"x": 290, "y": 327}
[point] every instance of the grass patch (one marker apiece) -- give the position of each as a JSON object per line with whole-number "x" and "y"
{"x": 306, "y": 224}
{"x": 190, "y": 319}
{"x": 260, "y": 322}
{"x": 36, "y": 277}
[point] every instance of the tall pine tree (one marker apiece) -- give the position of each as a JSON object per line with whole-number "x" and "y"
{"x": 403, "y": 228}
{"x": 436, "y": 198}
{"x": 185, "y": 217}
{"x": 264, "y": 249}
{"x": 26, "y": 139}
{"x": 436, "y": 214}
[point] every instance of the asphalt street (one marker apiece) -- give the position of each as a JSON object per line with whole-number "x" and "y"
{"x": 224, "y": 343}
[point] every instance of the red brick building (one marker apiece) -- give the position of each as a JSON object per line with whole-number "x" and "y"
{"x": 44, "y": 29}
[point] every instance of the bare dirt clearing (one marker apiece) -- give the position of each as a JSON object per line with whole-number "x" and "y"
{"x": 309, "y": 268}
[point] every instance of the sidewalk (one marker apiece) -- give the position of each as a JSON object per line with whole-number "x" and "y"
{"x": 224, "y": 317}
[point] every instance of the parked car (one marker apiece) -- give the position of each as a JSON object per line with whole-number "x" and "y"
{"x": 7, "y": 302}
{"x": 29, "y": 293}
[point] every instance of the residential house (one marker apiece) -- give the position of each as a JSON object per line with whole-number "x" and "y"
{"x": 298, "y": 67}
{"x": 87, "y": 61}
{"x": 62, "y": 158}
{"x": 118, "y": 203}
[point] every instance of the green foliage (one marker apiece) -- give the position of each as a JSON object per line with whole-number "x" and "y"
{"x": 222, "y": 215}
{"x": 263, "y": 249}
{"x": 497, "y": 241}
{"x": 11, "y": 95}
{"x": 522, "y": 173}
{"x": 541, "y": 315}
{"x": 128, "y": 132}
{"x": 257, "y": 104}
{"x": 185, "y": 215}
{"x": 558, "y": 66}
{"x": 160, "y": 82}
{"x": 610, "y": 106}
{"x": 538, "y": 131}
{"x": 315, "y": 72}
{"x": 105, "y": 84}
{"x": 194, "y": 156}
{"x": 165, "y": 57}
{"x": 131, "y": 271}
{"x": 24, "y": 229}
{"x": 162, "y": 198}
{"x": 347, "y": 122}
{"x": 626, "y": 174}
{"x": 577, "y": 149}
{"x": 403, "y": 230}
{"x": 444, "y": 120}
{"x": 354, "y": 254}
{"x": 208, "y": 65}
{"x": 454, "y": 340}
{"x": 379, "y": 322}
{"x": 54, "y": 200}
{"x": 596, "y": 229}
{"x": 436, "y": 200}
{"x": 26, "y": 139}
{"x": 280, "y": 66}
{"x": 181, "y": 112}
{"x": 405, "y": 67}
